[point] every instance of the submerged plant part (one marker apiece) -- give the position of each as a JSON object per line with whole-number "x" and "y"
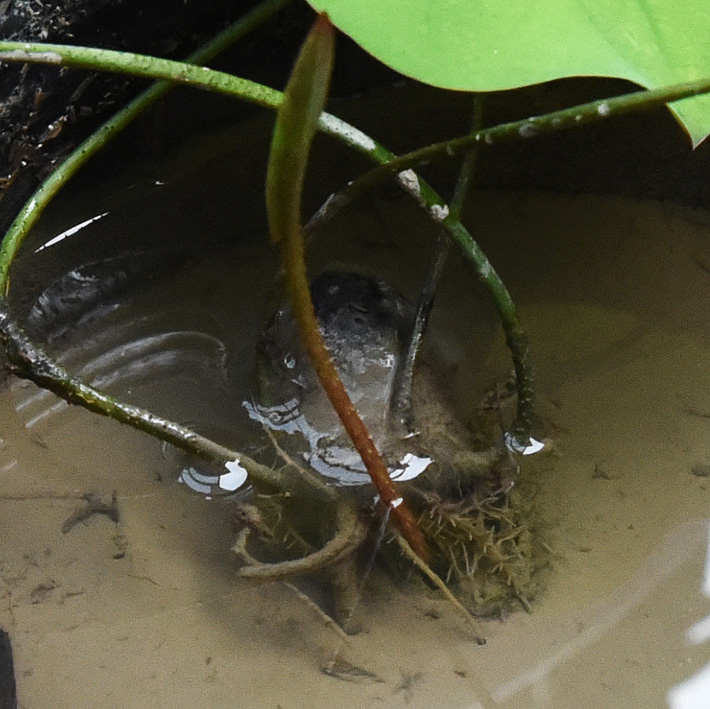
{"x": 296, "y": 125}
{"x": 363, "y": 323}
{"x": 459, "y": 485}
{"x": 201, "y": 77}
{"x": 483, "y": 543}
{"x": 454, "y": 493}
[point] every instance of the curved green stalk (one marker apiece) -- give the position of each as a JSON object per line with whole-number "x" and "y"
{"x": 28, "y": 360}
{"x": 31, "y": 212}
{"x": 564, "y": 119}
{"x": 201, "y": 77}
{"x": 402, "y": 396}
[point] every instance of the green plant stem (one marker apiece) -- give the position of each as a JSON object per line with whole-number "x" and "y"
{"x": 199, "y": 77}
{"x": 31, "y": 212}
{"x": 468, "y": 168}
{"x": 404, "y": 382}
{"x": 29, "y": 361}
{"x": 564, "y": 119}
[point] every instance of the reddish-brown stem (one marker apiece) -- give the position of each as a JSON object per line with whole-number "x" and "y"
{"x": 295, "y": 127}
{"x": 300, "y": 296}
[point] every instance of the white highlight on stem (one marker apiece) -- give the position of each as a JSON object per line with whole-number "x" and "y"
{"x": 410, "y": 182}
{"x": 352, "y": 135}
{"x": 19, "y": 55}
{"x": 439, "y": 212}
{"x": 527, "y": 130}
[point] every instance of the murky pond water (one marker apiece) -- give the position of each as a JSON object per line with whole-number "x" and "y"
{"x": 148, "y": 612}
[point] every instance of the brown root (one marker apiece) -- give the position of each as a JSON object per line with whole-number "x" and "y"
{"x": 350, "y": 533}
{"x": 483, "y": 546}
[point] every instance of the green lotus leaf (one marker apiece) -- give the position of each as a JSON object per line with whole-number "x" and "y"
{"x": 489, "y": 45}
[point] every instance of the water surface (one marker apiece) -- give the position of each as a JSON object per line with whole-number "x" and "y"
{"x": 615, "y": 294}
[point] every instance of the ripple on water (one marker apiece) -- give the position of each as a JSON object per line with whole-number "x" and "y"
{"x": 149, "y": 349}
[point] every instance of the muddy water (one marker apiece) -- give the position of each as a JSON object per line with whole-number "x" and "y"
{"x": 148, "y": 612}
